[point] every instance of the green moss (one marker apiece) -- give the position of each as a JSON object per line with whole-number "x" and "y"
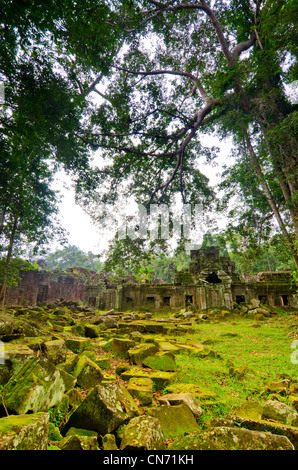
{"x": 175, "y": 420}
{"x": 160, "y": 379}
{"x": 161, "y": 361}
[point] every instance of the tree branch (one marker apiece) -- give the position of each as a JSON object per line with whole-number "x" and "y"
{"x": 244, "y": 46}
{"x": 159, "y": 72}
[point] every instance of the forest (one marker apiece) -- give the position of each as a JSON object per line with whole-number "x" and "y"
{"x": 120, "y": 95}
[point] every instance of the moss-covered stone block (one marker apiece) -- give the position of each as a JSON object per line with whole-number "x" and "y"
{"x": 161, "y": 361}
{"x": 175, "y": 420}
{"x": 142, "y": 389}
{"x": 160, "y": 379}
{"x": 122, "y": 346}
{"x": 139, "y": 353}
{"x": 37, "y": 386}
{"x": 167, "y": 346}
{"x": 77, "y": 345}
{"x": 143, "y": 433}
{"x": 200, "y": 393}
{"x": 15, "y": 355}
{"x": 102, "y": 361}
{"x": 186, "y": 398}
{"x": 249, "y": 409}
{"x": 119, "y": 346}
{"x": 55, "y": 350}
{"x": 105, "y": 408}
{"x": 109, "y": 442}
{"x": 229, "y": 438}
{"x": 92, "y": 331}
{"x": 76, "y": 442}
{"x": 24, "y": 432}
{"x": 87, "y": 372}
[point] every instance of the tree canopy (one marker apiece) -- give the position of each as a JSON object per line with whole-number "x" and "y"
{"x": 136, "y": 84}
{"x": 71, "y": 257}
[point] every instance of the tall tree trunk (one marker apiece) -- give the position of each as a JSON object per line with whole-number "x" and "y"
{"x": 8, "y": 259}
{"x": 270, "y": 198}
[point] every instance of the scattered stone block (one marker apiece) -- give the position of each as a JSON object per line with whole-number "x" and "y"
{"x": 281, "y": 412}
{"x": 142, "y": 389}
{"x": 140, "y": 352}
{"x": 15, "y": 355}
{"x": 75, "y": 442}
{"x": 253, "y": 421}
{"x": 37, "y": 386}
{"x": 119, "y": 346}
{"x": 55, "y": 350}
{"x": 24, "y": 432}
{"x": 87, "y": 372}
{"x": 77, "y": 345}
{"x": 143, "y": 433}
{"x": 168, "y": 347}
{"x": 249, "y": 409}
{"x": 160, "y": 379}
{"x": 105, "y": 408}
{"x": 280, "y": 387}
{"x": 175, "y": 420}
{"x": 186, "y": 398}
{"x": 91, "y": 331}
{"x": 109, "y": 442}
{"x": 161, "y": 361}
{"x": 230, "y": 438}
{"x": 200, "y": 393}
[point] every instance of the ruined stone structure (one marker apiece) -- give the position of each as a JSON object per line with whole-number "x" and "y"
{"x": 42, "y": 286}
{"x": 210, "y": 282}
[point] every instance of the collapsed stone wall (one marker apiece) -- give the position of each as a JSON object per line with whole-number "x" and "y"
{"x": 211, "y": 282}
{"x": 41, "y": 286}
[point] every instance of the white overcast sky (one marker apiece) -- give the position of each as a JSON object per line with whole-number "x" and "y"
{"x": 83, "y": 233}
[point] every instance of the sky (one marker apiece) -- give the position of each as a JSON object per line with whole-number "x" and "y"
{"x": 81, "y": 230}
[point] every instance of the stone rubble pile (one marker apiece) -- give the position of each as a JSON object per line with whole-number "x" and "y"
{"x": 60, "y": 390}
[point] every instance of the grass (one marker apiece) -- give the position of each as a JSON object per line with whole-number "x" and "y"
{"x": 262, "y": 351}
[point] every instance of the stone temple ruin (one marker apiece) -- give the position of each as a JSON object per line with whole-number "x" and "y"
{"x": 210, "y": 282}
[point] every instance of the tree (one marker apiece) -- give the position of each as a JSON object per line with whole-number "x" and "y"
{"x": 70, "y": 257}
{"x": 42, "y": 67}
{"x": 191, "y": 67}
{"x": 164, "y": 72}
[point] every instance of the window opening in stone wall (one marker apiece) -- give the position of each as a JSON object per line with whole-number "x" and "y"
{"x": 42, "y": 293}
{"x": 188, "y": 299}
{"x": 92, "y": 301}
{"x": 285, "y": 299}
{"x": 166, "y": 300}
{"x": 213, "y": 278}
{"x": 150, "y": 299}
{"x": 240, "y": 299}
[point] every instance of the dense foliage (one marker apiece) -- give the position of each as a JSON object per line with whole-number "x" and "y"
{"x": 140, "y": 82}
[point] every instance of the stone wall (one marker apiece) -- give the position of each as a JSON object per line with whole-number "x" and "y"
{"x": 41, "y": 286}
{"x": 211, "y": 282}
